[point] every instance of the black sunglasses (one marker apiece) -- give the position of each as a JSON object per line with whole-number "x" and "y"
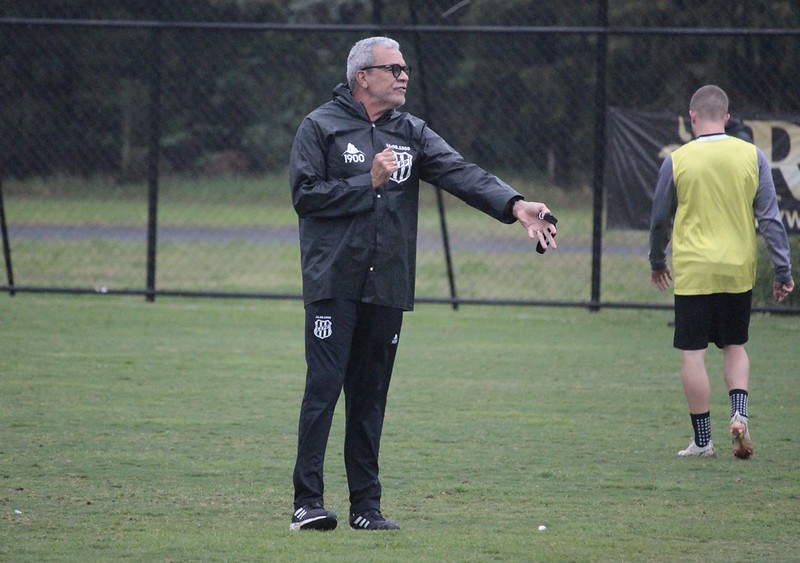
{"x": 396, "y": 69}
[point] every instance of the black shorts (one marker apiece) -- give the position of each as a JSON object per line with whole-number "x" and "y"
{"x": 721, "y": 318}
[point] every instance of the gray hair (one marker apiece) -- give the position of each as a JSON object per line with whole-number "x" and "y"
{"x": 362, "y": 54}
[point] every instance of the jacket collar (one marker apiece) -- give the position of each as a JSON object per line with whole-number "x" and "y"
{"x": 343, "y": 95}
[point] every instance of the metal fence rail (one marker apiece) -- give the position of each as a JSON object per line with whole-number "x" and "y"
{"x": 148, "y": 156}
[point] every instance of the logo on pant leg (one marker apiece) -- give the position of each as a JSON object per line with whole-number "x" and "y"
{"x": 323, "y": 327}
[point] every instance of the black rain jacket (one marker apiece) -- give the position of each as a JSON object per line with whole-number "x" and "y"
{"x": 357, "y": 242}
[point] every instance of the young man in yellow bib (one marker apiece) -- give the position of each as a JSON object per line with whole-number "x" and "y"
{"x": 708, "y": 193}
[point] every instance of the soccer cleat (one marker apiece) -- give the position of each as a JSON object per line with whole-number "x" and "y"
{"x": 693, "y": 450}
{"x": 372, "y": 520}
{"x": 742, "y": 444}
{"x": 313, "y": 517}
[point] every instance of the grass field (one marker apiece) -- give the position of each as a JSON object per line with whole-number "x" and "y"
{"x": 207, "y": 225}
{"x": 133, "y": 431}
{"x": 490, "y": 260}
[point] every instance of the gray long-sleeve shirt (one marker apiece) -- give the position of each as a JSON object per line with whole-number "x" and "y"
{"x": 765, "y": 209}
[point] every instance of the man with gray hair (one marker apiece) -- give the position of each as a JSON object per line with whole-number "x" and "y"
{"x": 355, "y": 170}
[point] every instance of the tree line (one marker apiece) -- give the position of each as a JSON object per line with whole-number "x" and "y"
{"x": 77, "y": 99}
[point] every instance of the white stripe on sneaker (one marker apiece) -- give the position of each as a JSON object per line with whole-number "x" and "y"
{"x": 301, "y": 523}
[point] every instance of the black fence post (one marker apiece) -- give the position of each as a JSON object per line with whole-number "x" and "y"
{"x": 599, "y": 154}
{"x": 6, "y": 244}
{"x": 377, "y": 12}
{"x": 154, "y": 151}
{"x": 448, "y": 255}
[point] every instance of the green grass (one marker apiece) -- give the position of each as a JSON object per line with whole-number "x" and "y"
{"x": 182, "y": 202}
{"x": 165, "y": 431}
{"x": 487, "y": 260}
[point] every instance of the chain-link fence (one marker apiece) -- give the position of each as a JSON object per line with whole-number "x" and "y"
{"x": 145, "y": 146}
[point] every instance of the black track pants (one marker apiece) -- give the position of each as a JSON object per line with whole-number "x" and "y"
{"x": 349, "y": 345}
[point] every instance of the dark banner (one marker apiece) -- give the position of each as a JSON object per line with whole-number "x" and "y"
{"x": 639, "y": 141}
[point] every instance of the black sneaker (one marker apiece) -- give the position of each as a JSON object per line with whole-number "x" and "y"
{"x": 372, "y": 520}
{"x": 313, "y": 517}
